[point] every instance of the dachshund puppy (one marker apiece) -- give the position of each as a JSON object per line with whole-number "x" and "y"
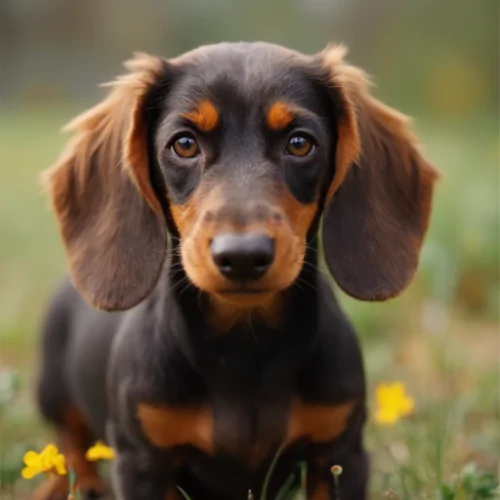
{"x": 198, "y": 336}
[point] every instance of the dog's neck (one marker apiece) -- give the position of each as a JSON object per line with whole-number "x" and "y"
{"x": 223, "y": 316}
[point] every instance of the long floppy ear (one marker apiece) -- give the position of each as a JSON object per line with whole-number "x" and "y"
{"x": 379, "y": 202}
{"x": 110, "y": 218}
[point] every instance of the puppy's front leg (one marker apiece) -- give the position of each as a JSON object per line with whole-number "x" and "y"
{"x": 140, "y": 473}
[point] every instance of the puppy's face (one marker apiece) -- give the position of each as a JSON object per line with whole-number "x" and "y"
{"x": 244, "y": 147}
{"x": 241, "y": 150}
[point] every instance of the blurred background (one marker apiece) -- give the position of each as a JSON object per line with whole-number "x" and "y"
{"x": 435, "y": 60}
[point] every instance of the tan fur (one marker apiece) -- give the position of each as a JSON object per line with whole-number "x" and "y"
{"x": 279, "y": 116}
{"x": 167, "y": 427}
{"x": 289, "y": 232}
{"x": 52, "y": 488}
{"x": 320, "y": 492}
{"x": 320, "y": 423}
{"x": 223, "y": 315}
{"x": 205, "y": 116}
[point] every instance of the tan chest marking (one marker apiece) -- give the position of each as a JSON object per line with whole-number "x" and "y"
{"x": 320, "y": 423}
{"x": 167, "y": 427}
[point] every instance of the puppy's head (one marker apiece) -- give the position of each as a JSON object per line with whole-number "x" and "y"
{"x": 239, "y": 149}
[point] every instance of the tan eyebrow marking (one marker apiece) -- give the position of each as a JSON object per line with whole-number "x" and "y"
{"x": 279, "y": 116}
{"x": 205, "y": 116}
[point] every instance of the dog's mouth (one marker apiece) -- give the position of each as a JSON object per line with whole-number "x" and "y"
{"x": 244, "y": 295}
{"x": 243, "y": 290}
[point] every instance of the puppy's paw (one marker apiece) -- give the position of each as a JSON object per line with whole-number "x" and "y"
{"x": 53, "y": 488}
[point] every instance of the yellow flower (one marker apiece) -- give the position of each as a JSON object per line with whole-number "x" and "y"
{"x": 48, "y": 461}
{"x": 392, "y": 403}
{"x": 100, "y": 452}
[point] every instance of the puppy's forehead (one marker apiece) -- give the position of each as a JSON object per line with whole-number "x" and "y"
{"x": 242, "y": 75}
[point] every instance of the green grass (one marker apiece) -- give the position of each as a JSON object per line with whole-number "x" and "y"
{"x": 440, "y": 337}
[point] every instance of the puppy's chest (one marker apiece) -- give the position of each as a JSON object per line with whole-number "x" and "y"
{"x": 246, "y": 413}
{"x": 232, "y": 412}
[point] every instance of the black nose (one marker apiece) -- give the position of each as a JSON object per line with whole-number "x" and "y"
{"x": 242, "y": 257}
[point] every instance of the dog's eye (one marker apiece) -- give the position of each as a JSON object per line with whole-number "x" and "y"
{"x": 299, "y": 145}
{"x": 185, "y": 147}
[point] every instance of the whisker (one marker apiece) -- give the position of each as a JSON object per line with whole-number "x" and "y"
{"x": 186, "y": 288}
{"x": 180, "y": 282}
{"x": 250, "y": 324}
{"x": 302, "y": 281}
